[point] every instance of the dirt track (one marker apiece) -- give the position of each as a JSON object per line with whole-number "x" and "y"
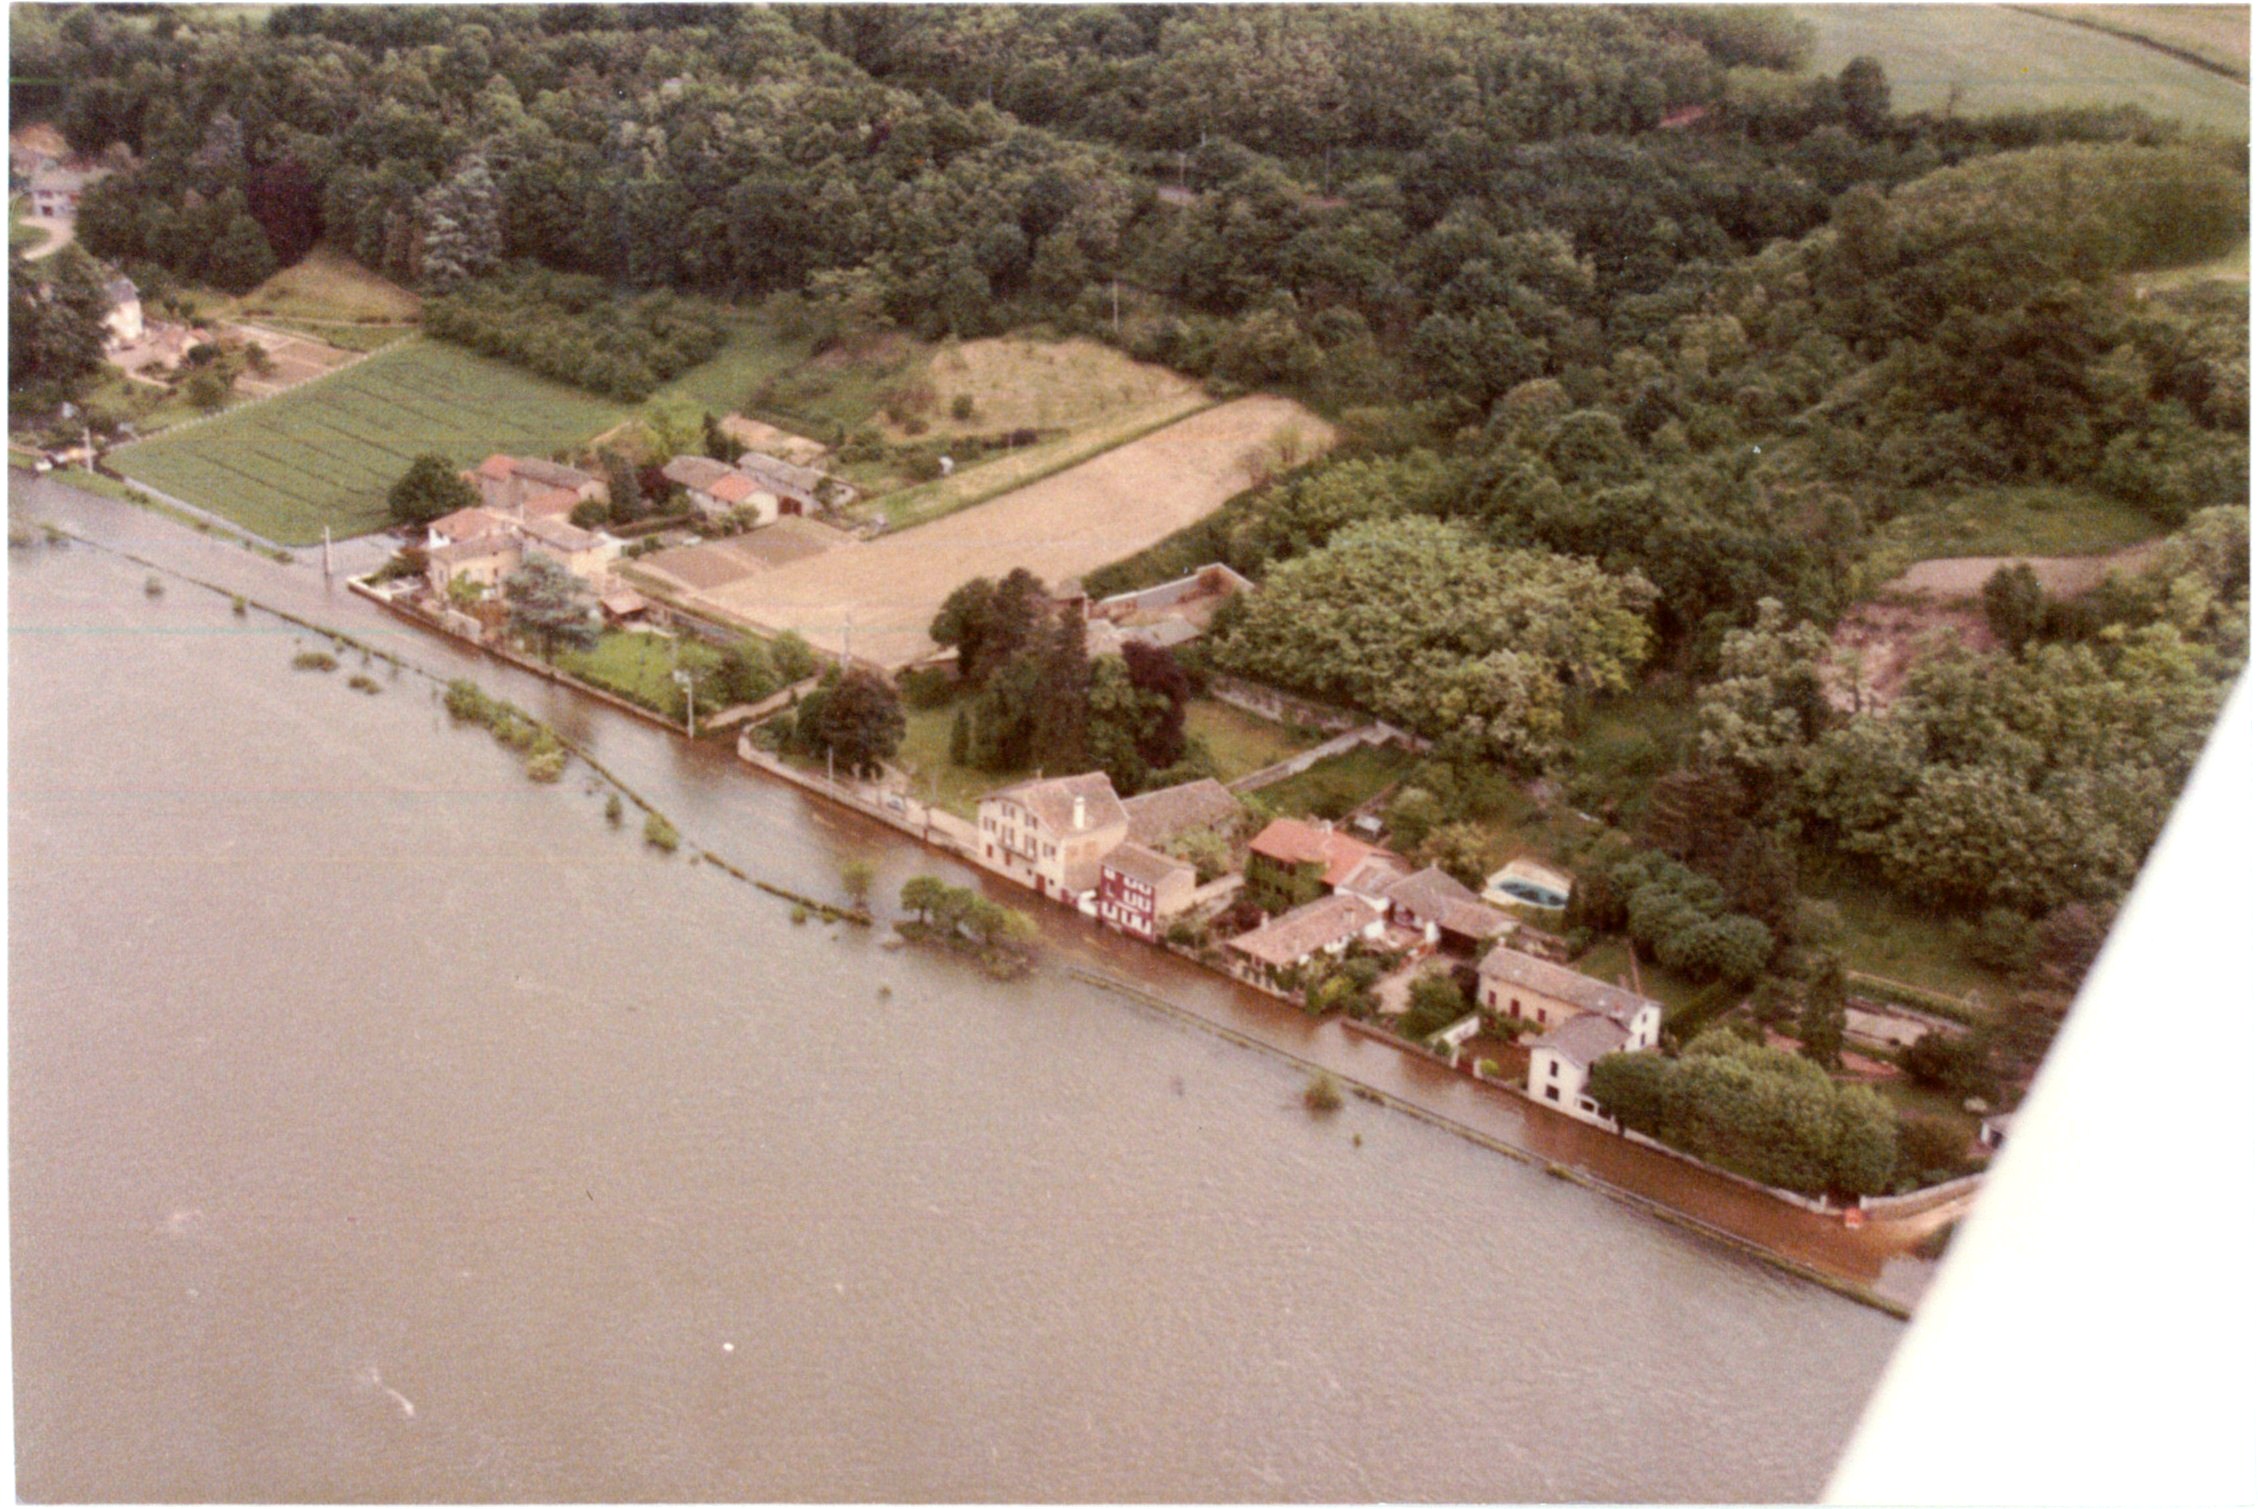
{"x": 2061, "y": 575}
{"x": 1063, "y": 526}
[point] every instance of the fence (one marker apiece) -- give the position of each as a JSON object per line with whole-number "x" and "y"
{"x": 1281, "y": 707}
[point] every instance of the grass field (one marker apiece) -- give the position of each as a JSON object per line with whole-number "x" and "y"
{"x": 1331, "y": 788}
{"x": 1239, "y": 742}
{"x": 2217, "y": 34}
{"x": 2000, "y": 60}
{"x": 1015, "y": 382}
{"x": 2006, "y": 521}
{"x": 640, "y": 667}
{"x": 326, "y": 453}
{"x": 925, "y": 755}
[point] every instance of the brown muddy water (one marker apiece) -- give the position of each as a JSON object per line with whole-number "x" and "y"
{"x": 385, "y": 1126}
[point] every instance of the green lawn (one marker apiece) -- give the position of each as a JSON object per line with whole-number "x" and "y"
{"x": 640, "y": 667}
{"x": 1885, "y": 935}
{"x": 1238, "y": 741}
{"x": 24, "y": 233}
{"x": 925, "y": 755}
{"x": 753, "y": 354}
{"x": 1332, "y": 787}
{"x": 2007, "y": 521}
{"x": 2001, "y": 60}
{"x": 327, "y": 452}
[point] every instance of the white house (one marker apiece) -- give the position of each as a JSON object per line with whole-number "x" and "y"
{"x": 1515, "y": 984}
{"x": 1560, "y": 1064}
{"x": 124, "y": 319}
{"x": 1051, "y": 835}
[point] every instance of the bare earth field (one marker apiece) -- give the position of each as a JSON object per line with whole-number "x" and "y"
{"x": 1111, "y": 506}
{"x": 1938, "y": 602}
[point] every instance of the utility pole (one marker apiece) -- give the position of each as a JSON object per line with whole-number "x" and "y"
{"x": 327, "y": 569}
{"x": 831, "y": 764}
{"x": 689, "y": 685}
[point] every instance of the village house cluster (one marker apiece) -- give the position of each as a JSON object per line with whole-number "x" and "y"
{"x": 1075, "y": 841}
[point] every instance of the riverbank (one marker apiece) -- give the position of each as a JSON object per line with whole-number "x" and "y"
{"x": 1877, "y": 1260}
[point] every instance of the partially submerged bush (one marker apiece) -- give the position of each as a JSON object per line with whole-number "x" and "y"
{"x": 313, "y": 660}
{"x": 1322, "y": 1093}
{"x": 660, "y": 834}
{"x": 545, "y": 760}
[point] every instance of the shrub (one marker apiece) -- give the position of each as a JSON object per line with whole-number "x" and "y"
{"x": 1929, "y": 1148}
{"x": 2005, "y": 940}
{"x": 364, "y": 683}
{"x": 153, "y": 587}
{"x": 660, "y": 834}
{"x": 856, "y": 875}
{"x": 612, "y": 809}
{"x": 545, "y": 760}
{"x": 1322, "y": 1093}
{"x": 1957, "y": 1063}
{"x": 313, "y": 660}
{"x": 962, "y": 408}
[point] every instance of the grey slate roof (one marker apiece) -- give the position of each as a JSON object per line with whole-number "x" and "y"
{"x": 1160, "y": 816}
{"x": 781, "y": 477}
{"x": 696, "y": 472}
{"x": 1295, "y": 935}
{"x": 1140, "y": 863}
{"x": 1510, "y": 967}
{"x": 1052, "y": 801}
{"x": 1583, "y": 1039}
{"x": 1434, "y": 896}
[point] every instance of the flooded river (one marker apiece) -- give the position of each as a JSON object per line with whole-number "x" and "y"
{"x": 386, "y": 1126}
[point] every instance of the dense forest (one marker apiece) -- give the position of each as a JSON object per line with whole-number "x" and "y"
{"x": 1635, "y": 332}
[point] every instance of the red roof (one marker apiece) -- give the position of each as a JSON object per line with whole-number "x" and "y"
{"x": 734, "y": 488}
{"x": 497, "y": 468}
{"x": 1293, "y": 842}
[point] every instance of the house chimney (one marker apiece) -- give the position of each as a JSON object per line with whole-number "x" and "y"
{"x": 1081, "y": 814}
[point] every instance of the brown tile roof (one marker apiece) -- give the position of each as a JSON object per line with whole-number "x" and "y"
{"x": 734, "y": 488}
{"x": 467, "y": 524}
{"x": 1434, "y": 896}
{"x": 1511, "y": 967}
{"x": 1140, "y": 863}
{"x": 554, "y": 473}
{"x": 498, "y": 468}
{"x": 1295, "y": 935}
{"x": 1293, "y": 842}
{"x": 1159, "y": 816}
{"x": 696, "y": 472}
{"x": 622, "y": 602}
{"x": 1052, "y": 802}
{"x": 1583, "y": 1039}
{"x": 485, "y": 547}
{"x": 558, "y": 535}
{"x": 554, "y": 503}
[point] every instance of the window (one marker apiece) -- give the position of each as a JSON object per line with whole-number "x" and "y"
{"x": 1552, "y": 1093}
{"x": 1552, "y": 1067}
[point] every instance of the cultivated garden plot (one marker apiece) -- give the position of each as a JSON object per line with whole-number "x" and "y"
{"x": 885, "y": 593}
{"x": 327, "y": 452}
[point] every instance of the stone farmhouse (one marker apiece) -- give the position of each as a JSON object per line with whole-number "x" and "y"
{"x": 524, "y": 486}
{"x": 1291, "y": 862}
{"x": 482, "y": 546}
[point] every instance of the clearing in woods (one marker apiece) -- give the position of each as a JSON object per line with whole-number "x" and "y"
{"x": 1062, "y": 526}
{"x": 2001, "y": 60}
{"x": 328, "y": 452}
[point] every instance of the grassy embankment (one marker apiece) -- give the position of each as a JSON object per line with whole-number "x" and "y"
{"x": 1986, "y": 60}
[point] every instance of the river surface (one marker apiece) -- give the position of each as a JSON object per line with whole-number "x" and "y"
{"x": 386, "y": 1126}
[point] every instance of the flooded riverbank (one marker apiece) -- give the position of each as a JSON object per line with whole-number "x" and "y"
{"x": 357, "y": 1075}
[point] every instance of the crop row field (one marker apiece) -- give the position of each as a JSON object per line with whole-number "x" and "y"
{"x": 327, "y": 453}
